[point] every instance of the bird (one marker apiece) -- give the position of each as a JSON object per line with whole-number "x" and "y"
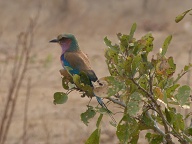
{"x": 77, "y": 62}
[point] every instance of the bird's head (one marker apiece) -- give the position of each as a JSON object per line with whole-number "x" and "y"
{"x": 68, "y": 42}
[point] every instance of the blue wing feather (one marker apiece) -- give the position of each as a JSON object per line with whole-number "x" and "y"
{"x": 66, "y": 63}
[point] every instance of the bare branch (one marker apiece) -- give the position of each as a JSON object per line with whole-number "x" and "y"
{"x": 20, "y": 66}
{"x": 155, "y": 125}
{"x": 26, "y": 111}
{"x": 116, "y": 101}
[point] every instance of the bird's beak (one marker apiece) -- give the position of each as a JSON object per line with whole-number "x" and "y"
{"x": 54, "y": 41}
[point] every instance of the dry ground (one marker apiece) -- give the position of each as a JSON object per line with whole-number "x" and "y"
{"x": 90, "y": 21}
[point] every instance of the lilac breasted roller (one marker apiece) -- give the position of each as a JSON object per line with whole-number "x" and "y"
{"x": 73, "y": 57}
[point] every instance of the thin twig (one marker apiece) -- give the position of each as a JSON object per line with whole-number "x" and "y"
{"x": 25, "y": 121}
{"x": 116, "y": 101}
{"x": 10, "y": 92}
{"x": 156, "y": 127}
{"x": 25, "y": 41}
{"x": 14, "y": 99}
{"x": 167, "y": 135}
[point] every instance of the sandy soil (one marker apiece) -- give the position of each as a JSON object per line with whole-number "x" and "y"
{"x": 90, "y": 21}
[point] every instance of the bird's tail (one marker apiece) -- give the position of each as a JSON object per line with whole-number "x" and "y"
{"x": 105, "y": 107}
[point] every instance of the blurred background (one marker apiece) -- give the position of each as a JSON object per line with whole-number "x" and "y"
{"x": 29, "y": 64}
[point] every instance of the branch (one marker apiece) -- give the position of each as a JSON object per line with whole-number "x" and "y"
{"x": 25, "y": 120}
{"x": 167, "y": 135}
{"x": 20, "y": 67}
{"x": 116, "y": 101}
{"x": 155, "y": 125}
{"x": 175, "y": 133}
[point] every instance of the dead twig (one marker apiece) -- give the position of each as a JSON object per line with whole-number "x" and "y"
{"x": 20, "y": 67}
{"x": 25, "y": 121}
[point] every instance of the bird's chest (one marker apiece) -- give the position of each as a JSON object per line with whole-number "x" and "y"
{"x": 64, "y": 62}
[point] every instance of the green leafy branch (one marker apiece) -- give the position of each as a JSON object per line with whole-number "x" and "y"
{"x": 153, "y": 82}
{"x": 144, "y": 87}
{"x": 181, "y": 16}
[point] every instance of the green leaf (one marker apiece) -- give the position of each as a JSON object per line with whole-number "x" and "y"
{"x": 126, "y": 66}
{"x": 158, "y": 93}
{"x": 181, "y": 16}
{"x": 84, "y": 78}
{"x": 124, "y": 45}
{"x": 144, "y": 57}
{"x": 170, "y": 90}
{"x": 187, "y": 67}
{"x": 99, "y": 120}
{"x": 165, "y": 45}
{"x": 146, "y": 122}
{"x": 133, "y": 28}
{"x": 135, "y": 64}
{"x": 178, "y": 122}
{"x": 183, "y": 95}
{"x": 82, "y": 83}
{"x": 108, "y": 43}
{"x": 168, "y": 116}
{"x": 165, "y": 98}
{"x": 60, "y": 98}
{"x": 133, "y": 105}
{"x": 134, "y": 139}
{"x": 112, "y": 55}
{"x": 147, "y": 42}
{"x": 76, "y": 80}
{"x": 154, "y": 138}
{"x": 143, "y": 68}
{"x": 172, "y": 66}
{"x": 127, "y": 129}
{"x": 116, "y": 85}
{"x": 189, "y": 131}
{"x": 143, "y": 81}
{"x": 86, "y": 116}
{"x": 94, "y": 137}
{"x": 65, "y": 83}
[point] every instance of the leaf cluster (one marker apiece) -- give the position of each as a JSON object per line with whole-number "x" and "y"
{"x": 143, "y": 84}
{"x": 148, "y": 89}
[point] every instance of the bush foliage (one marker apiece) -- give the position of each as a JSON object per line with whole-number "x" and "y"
{"x": 144, "y": 86}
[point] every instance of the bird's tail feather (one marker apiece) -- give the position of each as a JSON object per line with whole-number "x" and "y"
{"x": 104, "y": 106}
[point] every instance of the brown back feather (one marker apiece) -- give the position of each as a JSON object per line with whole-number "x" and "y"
{"x": 79, "y": 60}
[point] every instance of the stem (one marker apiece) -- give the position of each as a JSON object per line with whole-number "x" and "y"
{"x": 155, "y": 125}
{"x": 150, "y": 95}
{"x": 183, "y": 141}
{"x": 26, "y": 111}
{"x": 116, "y": 101}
